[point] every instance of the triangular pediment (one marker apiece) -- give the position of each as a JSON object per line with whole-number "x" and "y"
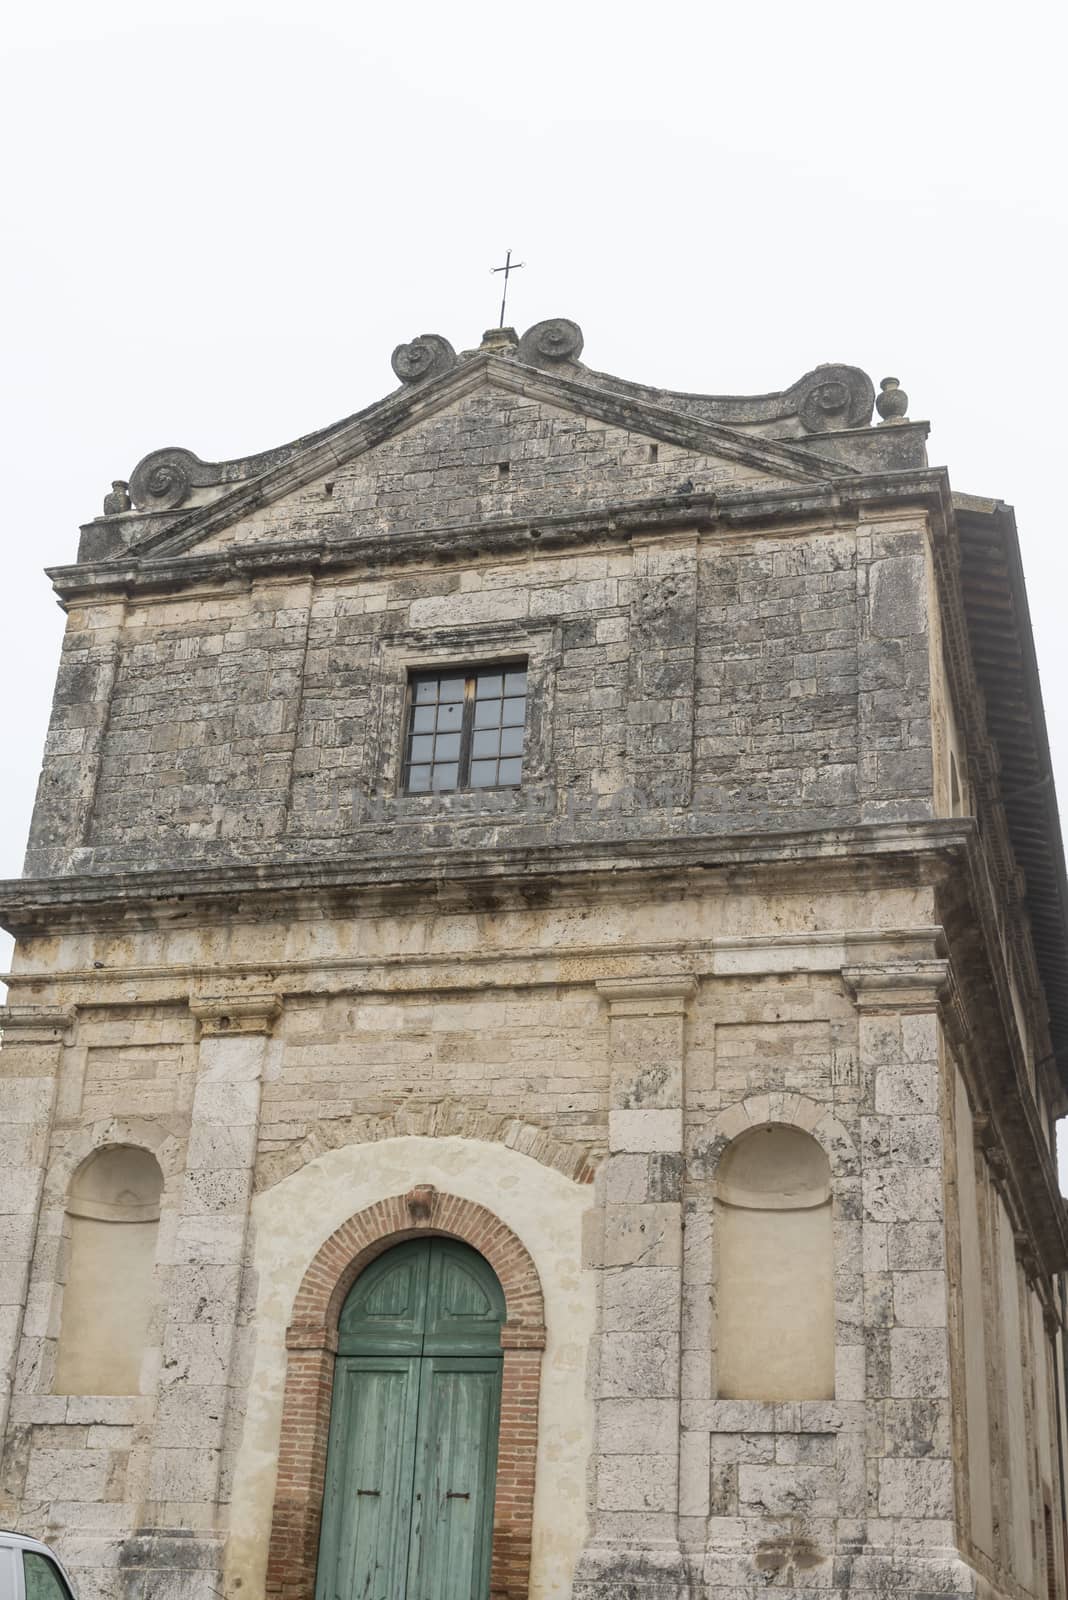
{"x": 490, "y": 440}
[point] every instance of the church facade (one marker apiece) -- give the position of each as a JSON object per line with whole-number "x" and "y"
{"x": 539, "y": 1012}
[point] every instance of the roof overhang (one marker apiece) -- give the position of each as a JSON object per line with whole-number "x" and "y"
{"x": 1003, "y": 650}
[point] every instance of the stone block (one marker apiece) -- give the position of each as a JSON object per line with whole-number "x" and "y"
{"x": 110, "y": 1410}
{"x": 787, "y": 1491}
{"x": 920, "y": 1299}
{"x": 639, "y": 1366}
{"x": 916, "y": 1246}
{"x": 208, "y": 1238}
{"x": 909, "y": 1089}
{"x": 71, "y": 1474}
{"x": 902, "y": 1194}
{"x": 221, "y": 1146}
{"x": 208, "y": 1191}
{"x": 204, "y": 1294}
{"x": 916, "y": 1141}
{"x": 640, "y": 1300}
{"x": 106, "y": 1437}
{"x": 915, "y": 1488}
{"x": 197, "y": 1354}
{"x": 805, "y": 1449}
{"x": 919, "y": 1363}
{"x": 754, "y": 1449}
{"x": 723, "y": 1490}
{"x": 223, "y": 1103}
{"x": 637, "y": 1427}
{"x": 643, "y": 1236}
{"x": 645, "y": 1131}
{"x": 183, "y": 1475}
{"x": 640, "y": 1483}
{"x": 694, "y": 1481}
{"x": 626, "y": 1180}
{"x": 918, "y": 1428}
{"x": 849, "y": 1372}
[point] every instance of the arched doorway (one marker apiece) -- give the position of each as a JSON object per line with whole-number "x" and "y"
{"x": 415, "y": 1415}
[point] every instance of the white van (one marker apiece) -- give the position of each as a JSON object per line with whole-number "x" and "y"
{"x": 29, "y": 1570}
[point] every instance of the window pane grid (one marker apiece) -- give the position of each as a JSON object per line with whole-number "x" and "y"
{"x": 465, "y": 731}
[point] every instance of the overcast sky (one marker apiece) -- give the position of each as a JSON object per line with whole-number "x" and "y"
{"x": 218, "y": 219}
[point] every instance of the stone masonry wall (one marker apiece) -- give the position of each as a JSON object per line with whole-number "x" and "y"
{"x": 713, "y": 684}
{"x": 491, "y": 455}
{"x": 610, "y": 1039}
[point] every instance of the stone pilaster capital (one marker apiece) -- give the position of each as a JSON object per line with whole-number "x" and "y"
{"x": 899, "y": 985}
{"x": 224, "y": 1016}
{"x": 26, "y": 1024}
{"x": 643, "y": 997}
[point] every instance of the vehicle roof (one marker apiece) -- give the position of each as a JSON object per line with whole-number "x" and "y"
{"x": 23, "y": 1541}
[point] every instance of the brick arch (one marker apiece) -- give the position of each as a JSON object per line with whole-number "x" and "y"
{"x": 311, "y": 1345}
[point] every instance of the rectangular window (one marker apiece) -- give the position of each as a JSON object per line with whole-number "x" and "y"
{"x": 465, "y": 729}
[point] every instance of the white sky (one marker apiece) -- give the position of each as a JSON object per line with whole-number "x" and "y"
{"x": 218, "y": 219}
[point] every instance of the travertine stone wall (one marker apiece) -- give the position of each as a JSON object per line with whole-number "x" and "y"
{"x": 720, "y": 683}
{"x": 627, "y": 1039}
{"x": 447, "y": 470}
{"x": 1004, "y": 1365}
{"x": 32, "y": 1043}
{"x": 572, "y": 1051}
{"x": 187, "y": 1482}
{"x": 639, "y": 1252}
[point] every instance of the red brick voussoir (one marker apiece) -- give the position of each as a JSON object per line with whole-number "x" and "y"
{"x": 311, "y": 1344}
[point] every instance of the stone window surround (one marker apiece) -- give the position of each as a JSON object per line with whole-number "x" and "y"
{"x": 311, "y": 1344}
{"x": 471, "y": 700}
{"x": 411, "y": 652}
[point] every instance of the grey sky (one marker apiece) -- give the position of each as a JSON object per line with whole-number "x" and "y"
{"x": 219, "y": 218}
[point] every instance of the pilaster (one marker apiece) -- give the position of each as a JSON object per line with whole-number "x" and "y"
{"x": 634, "y": 1538}
{"x": 30, "y": 1056}
{"x": 186, "y": 1481}
{"x": 906, "y": 1375}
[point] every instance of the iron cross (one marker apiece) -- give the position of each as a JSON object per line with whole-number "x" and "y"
{"x": 506, "y": 269}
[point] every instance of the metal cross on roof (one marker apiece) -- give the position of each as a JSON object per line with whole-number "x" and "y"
{"x": 508, "y": 268}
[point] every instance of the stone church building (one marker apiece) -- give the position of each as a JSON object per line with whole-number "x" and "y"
{"x": 539, "y": 1011}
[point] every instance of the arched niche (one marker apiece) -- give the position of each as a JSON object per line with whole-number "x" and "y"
{"x": 775, "y": 1287}
{"x": 113, "y": 1215}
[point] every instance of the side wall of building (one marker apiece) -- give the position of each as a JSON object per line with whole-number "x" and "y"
{"x": 1006, "y": 1371}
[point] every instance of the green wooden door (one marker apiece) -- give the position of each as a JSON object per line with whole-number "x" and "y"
{"x": 411, "y": 1469}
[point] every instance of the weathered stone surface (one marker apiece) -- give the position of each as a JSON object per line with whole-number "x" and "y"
{"x": 739, "y": 886}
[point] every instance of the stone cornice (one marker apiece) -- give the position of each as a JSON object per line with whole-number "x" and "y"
{"x": 878, "y": 853}
{"x": 166, "y": 477}
{"x": 831, "y": 500}
{"x": 30, "y": 1024}
{"x": 643, "y": 997}
{"x": 898, "y": 985}
{"x": 224, "y": 1016}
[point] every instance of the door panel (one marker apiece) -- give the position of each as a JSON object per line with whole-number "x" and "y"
{"x": 363, "y": 1550}
{"x": 386, "y": 1309}
{"x": 412, "y": 1460}
{"x": 455, "y": 1475}
{"x": 464, "y": 1303}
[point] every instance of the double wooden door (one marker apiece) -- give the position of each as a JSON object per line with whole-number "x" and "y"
{"x": 411, "y": 1468}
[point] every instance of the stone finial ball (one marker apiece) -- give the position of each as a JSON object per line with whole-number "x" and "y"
{"x": 892, "y": 403}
